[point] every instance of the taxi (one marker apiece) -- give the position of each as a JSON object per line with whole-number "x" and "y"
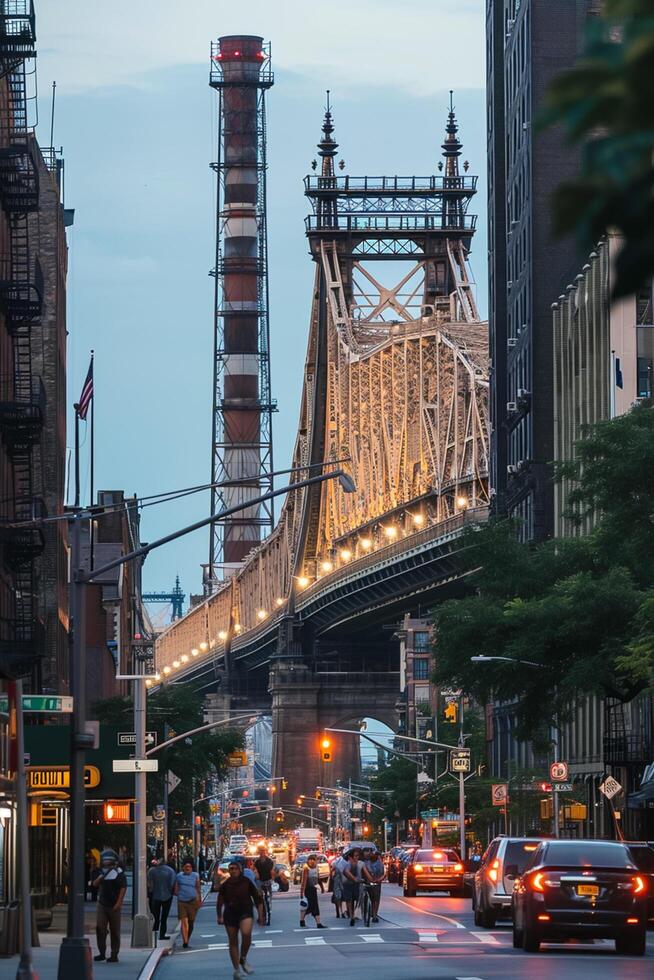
{"x": 434, "y": 869}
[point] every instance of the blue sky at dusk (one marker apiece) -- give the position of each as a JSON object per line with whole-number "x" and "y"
{"x": 138, "y": 125}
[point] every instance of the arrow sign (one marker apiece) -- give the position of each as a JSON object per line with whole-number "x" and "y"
{"x": 173, "y": 781}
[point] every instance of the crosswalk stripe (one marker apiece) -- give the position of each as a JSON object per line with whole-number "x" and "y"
{"x": 427, "y": 937}
{"x": 372, "y": 938}
{"x": 484, "y": 937}
{"x": 315, "y": 941}
{"x": 262, "y": 943}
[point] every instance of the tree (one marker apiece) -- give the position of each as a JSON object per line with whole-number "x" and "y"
{"x": 582, "y": 608}
{"x": 194, "y": 760}
{"x": 605, "y": 105}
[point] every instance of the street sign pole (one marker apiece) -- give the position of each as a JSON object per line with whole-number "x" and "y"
{"x": 462, "y": 790}
{"x": 142, "y": 935}
{"x": 25, "y": 969}
{"x": 555, "y": 799}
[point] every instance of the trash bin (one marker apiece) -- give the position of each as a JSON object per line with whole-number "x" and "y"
{"x": 9, "y": 929}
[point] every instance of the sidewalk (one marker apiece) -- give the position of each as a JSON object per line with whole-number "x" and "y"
{"x": 46, "y": 956}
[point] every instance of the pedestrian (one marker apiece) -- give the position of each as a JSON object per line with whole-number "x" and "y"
{"x": 338, "y": 867}
{"x": 374, "y": 870}
{"x": 352, "y": 878}
{"x": 189, "y": 899}
{"x": 237, "y": 897}
{"x": 171, "y": 862}
{"x": 161, "y": 882}
{"x": 250, "y": 871}
{"x": 111, "y": 883}
{"x": 309, "y": 892}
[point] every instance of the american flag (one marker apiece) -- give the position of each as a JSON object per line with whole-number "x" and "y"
{"x": 87, "y": 394}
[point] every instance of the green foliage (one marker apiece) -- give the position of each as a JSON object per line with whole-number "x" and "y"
{"x": 605, "y": 104}
{"x": 194, "y": 760}
{"x": 583, "y": 608}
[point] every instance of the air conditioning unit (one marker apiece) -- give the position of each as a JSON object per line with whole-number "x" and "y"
{"x": 511, "y": 407}
{"x": 512, "y": 470}
{"x": 512, "y": 342}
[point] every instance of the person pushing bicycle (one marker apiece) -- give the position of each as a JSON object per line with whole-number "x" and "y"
{"x": 265, "y": 866}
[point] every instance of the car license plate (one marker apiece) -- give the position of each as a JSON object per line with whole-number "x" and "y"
{"x": 437, "y": 867}
{"x": 588, "y": 890}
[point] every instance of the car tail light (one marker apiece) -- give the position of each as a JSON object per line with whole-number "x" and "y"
{"x": 537, "y": 882}
{"x": 492, "y": 871}
{"x": 632, "y": 922}
{"x": 639, "y": 885}
{"x": 458, "y": 867}
{"x": 417, "y": 867}
{"x": 543, "y": 918}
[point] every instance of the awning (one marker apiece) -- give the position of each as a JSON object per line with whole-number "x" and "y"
{"x": 644, "y": 798}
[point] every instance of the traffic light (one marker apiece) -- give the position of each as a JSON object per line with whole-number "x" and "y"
{"x": 546, "y": 809}
{"x": 326, "y": 747}
{"x": 451, "y": 712}
{"x": 318, "y": 794}
{"x": 279, "y": 816}
{"x": 116, "y": 811}
{"x": 299, "y": 801}
{"x": 284, "y": 784}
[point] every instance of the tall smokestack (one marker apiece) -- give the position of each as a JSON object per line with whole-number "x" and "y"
{"x": 242, "y": 406}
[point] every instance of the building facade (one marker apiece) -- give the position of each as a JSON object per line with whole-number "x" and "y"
{"x": 602, "y": 357}
{"x": 418, "y": 694}
{"x": 529, "y": 42}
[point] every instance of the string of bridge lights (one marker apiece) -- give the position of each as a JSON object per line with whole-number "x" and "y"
{"x": 391, "y": 532}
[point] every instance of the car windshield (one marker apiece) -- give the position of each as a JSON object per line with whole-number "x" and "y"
{"x": 519, "y": 852}
{"x": 588, "y": 854}
{"x": 435, "y": 854}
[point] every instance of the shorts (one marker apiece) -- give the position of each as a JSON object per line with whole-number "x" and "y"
{"x": 187, "y": 910}
{"x": 350, "y": 890}
{"x": 234, "y": 919}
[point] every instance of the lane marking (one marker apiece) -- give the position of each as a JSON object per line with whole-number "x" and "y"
{"x": 484, "y": 937}
{"x": 262, "y": 943}
{"x": 436, "y": 915}
{"x": 270, "y": 932}
{"x": 372, "y": 938}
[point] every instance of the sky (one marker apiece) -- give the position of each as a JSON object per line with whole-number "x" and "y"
{"x": 137, "y": 122}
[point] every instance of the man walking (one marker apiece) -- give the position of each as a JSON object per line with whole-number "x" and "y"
{"x": 112, "y": 885}
{"x": 189, "y": 899}
{"x": 161, "y": 881}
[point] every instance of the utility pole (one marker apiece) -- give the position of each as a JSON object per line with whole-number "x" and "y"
{"x": 555, "y": 796}
{"x": 25, "y": 969}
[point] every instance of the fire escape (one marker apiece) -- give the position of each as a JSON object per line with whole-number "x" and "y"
{"x": 21, "y": 395}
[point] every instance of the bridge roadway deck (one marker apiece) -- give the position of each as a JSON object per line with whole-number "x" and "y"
{"x": 418, "y": 569}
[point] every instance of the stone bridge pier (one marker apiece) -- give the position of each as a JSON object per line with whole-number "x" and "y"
{"x": 306, "y": 701}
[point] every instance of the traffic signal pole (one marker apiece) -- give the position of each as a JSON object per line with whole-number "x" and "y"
{"x": 462, "y": 791}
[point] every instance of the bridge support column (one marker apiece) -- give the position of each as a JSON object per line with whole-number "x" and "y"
{"x": 295, "y": 751}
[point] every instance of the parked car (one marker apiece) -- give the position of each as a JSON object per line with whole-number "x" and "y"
{"x": 492, "y": 886}
{"x": 581, "y": 889}
{"x": 300, "y": 861}
{"x": 433, "y": 869}
{"x": 643, "y": 855}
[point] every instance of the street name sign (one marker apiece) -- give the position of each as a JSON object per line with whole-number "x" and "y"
{"x": 35, "y": 703}
{"x": 610, "y": 787}
{"x": 500, "y": 794}
{"x": 129, "y": 738}
{"x": 135, "y": 765}
{"x": 562, "y": 787}
{"x": 559, "y": 772}
{"x": 450, "y": 692}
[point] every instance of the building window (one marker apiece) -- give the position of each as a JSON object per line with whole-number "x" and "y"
{"x": 421, "y": 694}
{"x": 421, "y": 641}
{"x": 644, "y": 362}
{"x": 644, "y": 305}
{"x": 421, "y": 669}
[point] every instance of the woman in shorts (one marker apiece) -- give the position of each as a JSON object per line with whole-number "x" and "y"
{"x": 234, "y": 909}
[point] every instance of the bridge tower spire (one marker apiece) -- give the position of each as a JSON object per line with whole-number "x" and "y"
{"x": 241, "y": 441}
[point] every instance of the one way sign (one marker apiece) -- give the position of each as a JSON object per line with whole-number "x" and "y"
{"x": 129, "y": 738}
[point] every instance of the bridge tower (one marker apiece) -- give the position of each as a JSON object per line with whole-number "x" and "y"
{"x": 241, "y": 439}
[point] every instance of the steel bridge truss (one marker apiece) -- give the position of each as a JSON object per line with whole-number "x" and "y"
{"x": 395, "y": 379}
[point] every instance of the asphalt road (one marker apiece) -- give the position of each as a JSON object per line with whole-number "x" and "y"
{"x": 429, "y": 936}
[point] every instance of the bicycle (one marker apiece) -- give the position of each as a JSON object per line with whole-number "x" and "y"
{"x": 266, "y": 891}
{"x": 365, "y": 903}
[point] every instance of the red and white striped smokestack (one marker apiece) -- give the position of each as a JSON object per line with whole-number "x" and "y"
{"x": 242, "y": 436}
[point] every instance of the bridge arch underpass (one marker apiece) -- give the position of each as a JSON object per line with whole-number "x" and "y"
{"x": 406, "y": 400}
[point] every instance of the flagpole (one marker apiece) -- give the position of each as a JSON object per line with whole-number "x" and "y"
{"x": 92, "y": 480}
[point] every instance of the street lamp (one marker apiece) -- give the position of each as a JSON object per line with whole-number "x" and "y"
{"x": 481, "y": 659}
{"x": 75, "y": 953}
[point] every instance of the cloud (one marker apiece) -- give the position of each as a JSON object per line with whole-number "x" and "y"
{"x": 418, "y": 46}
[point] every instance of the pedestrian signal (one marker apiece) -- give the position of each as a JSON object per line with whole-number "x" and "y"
{"x": 451, "y": 712}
